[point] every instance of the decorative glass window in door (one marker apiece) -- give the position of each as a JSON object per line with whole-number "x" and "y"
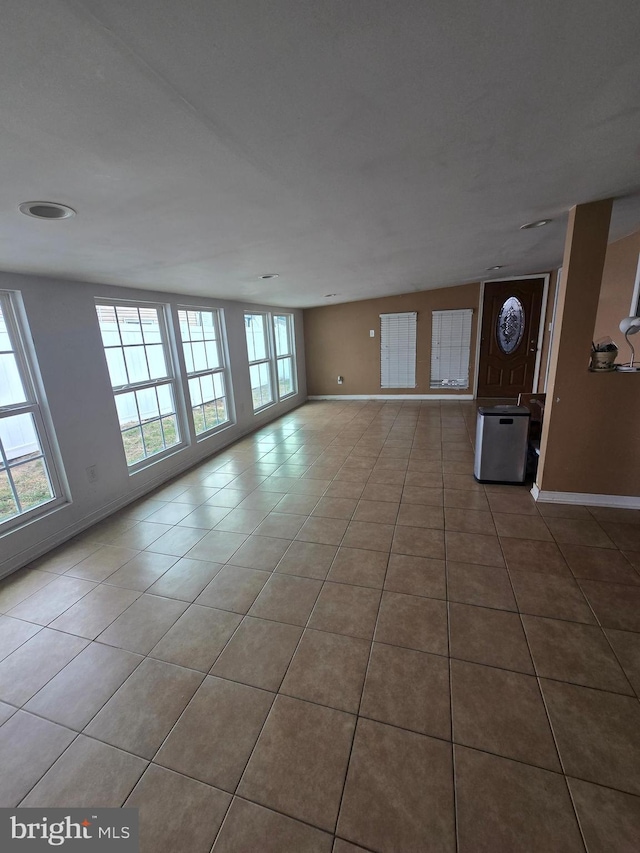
{"x": 510, "y": 325}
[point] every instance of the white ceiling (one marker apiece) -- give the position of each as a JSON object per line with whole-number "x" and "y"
{"x": 357, "y": 147}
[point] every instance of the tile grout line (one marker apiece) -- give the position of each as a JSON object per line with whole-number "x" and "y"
{"x": 597, "y": 621}
{"x": 77, "y": 654}
{"x": 346, "y": 772}
{"x": 37, "y": 782}
{"x": 372, "y": 719}
{"x": 362, "y": 690}
{"x": 244, "y": 616}
{"x": 546, "y": 708}
{"x": 276, "y": 694}
{"x": 456, "y": 822}
{"x": 610, "y": 644}
{"x": 265, "y": 720}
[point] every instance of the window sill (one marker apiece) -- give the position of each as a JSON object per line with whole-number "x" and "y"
{"x": 36, "y": 514}
{"x": 264, "y": 408}
{"x": 203, "y": 436}
{"x": 150, "y": 461}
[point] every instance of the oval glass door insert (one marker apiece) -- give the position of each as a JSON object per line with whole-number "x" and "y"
{"x": 510, "y": 325}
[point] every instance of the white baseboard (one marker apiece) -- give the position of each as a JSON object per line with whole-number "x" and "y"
{"x": 585, "y": 499}
{"x": 391, "y": 397}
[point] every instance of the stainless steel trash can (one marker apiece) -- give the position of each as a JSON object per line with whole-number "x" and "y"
{"x": 501, "y": 444}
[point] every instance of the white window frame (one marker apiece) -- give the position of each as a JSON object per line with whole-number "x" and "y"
{"x": 172, "y": 379}
{"x": 398, "y": 348}
{"x": 27, "y": 368}
{"x": 272, "y": 357}
{"x": 290, "y": 354}
{"x": 450, "y": 362}
{"x": 223, "y": 370}
{"x": 268, "y": 359}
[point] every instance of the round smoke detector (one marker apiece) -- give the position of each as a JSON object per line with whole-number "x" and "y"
{"x": 46, "y": 210}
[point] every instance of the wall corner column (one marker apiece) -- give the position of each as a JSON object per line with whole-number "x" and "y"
{"x": 568, "y": 385}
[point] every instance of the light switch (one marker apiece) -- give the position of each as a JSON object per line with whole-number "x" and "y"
{"x": 372, "y": 333}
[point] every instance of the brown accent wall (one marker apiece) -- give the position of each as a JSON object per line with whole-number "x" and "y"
{"x": 591, "y": 433}
{"x": 618, "y": 279}
{"x": 337, "y": 341}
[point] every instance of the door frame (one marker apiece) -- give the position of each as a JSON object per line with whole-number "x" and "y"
{"x": 543, "y": 313}
{"x": 552, "y": 326}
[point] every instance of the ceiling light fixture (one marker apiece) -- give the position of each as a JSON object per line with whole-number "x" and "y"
{"x": 46, "y": 210}
{"x": 497, "y": 267}
{"x": 269, "y": 275}
{"x": 537, "y": 224}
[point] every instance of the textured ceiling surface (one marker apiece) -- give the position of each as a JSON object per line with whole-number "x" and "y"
{"x": 361, "y": 148}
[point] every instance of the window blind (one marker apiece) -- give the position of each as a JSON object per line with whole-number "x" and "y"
{"x": 398, "y": 350}
{"x": 450, "y": 348}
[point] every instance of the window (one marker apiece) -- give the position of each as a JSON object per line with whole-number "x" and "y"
{"x": 28, "y": 480}
{"x": 272, "y": 377}
{"x": 138, "y": 357}
{"x": 450, "y": 347}
{"x": 259, "y": 351}
{"x": 285, "y": 362}
{"x": 398, "y": 350}
{"x": 204, "y": 360}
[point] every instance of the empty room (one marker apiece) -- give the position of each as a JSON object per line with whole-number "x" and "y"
{"x": 319, "y": 437}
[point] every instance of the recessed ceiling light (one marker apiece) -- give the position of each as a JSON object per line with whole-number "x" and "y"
{"x": 329, "y": 295}
{"x": 269, "y": 275}
{"x": 497, "y": 267}
{"x": 537, "y": 224}
{"x": 46, "y": 210}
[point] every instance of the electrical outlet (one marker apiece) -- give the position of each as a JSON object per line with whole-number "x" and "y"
{"x": 92, "y": 474}
{"x": 340, "y": 380}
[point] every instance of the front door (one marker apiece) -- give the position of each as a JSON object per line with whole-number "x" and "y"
{"x": 509, "y": 337}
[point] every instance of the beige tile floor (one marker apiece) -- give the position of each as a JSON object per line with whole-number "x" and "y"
{"x": 329, "y": 638}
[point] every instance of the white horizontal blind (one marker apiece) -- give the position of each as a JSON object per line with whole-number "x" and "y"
{"x": 398, "y": 350}
{"x": 450, "y": 347}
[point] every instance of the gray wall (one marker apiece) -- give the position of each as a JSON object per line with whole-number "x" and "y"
{"x": 66, "y": 341}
